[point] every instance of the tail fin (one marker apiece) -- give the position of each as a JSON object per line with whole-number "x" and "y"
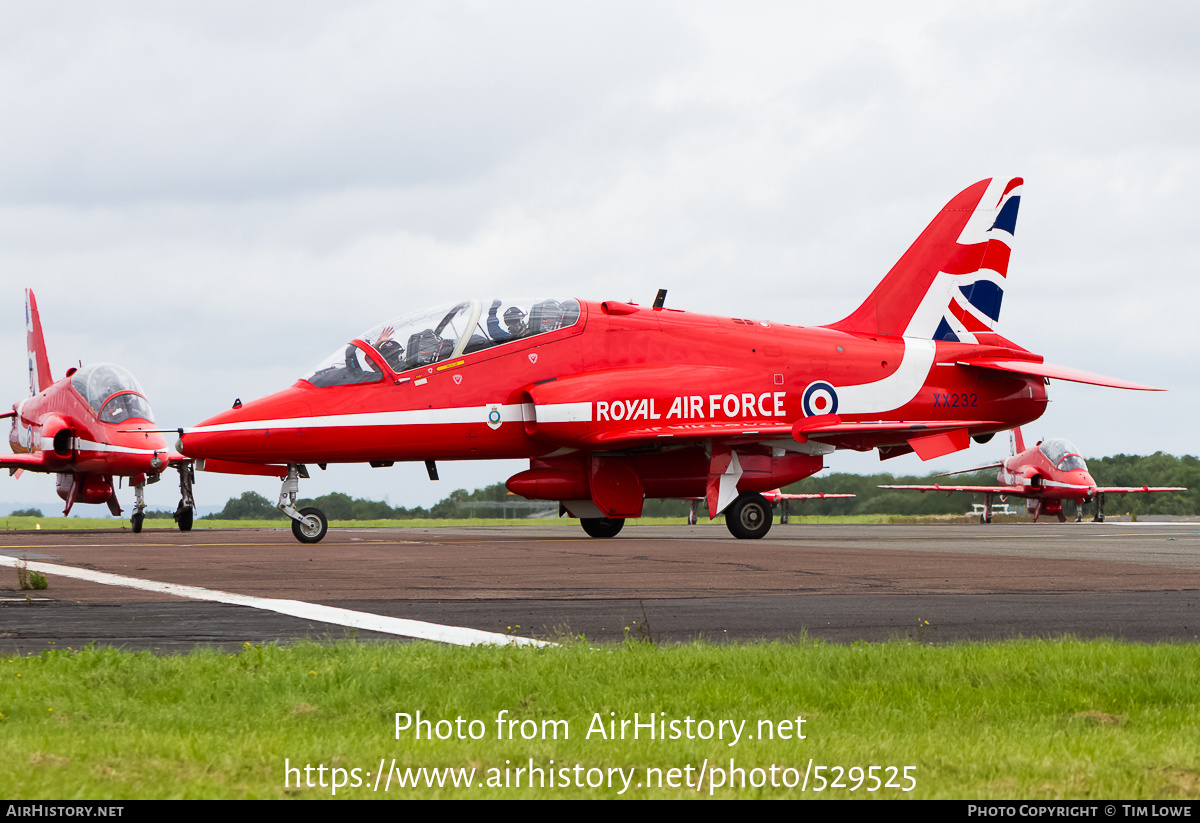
{"x": 1018, "y": 441}
{"x": 949, "y": 284}
{"x": 39, "y": 364}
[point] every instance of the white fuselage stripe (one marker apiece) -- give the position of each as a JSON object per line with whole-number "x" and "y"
{"x": 294, "y": 608}
{"x": 511, "y": 413}
{"x": 895, "y": 390}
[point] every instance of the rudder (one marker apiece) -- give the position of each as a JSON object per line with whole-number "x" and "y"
{"x": 35, "y": 343}
{"x": 950, "y": 283}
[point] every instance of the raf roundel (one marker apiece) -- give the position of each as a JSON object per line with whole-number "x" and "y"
{"x": 820, "y": 398}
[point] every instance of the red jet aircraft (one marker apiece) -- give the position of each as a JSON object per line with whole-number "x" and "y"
{"x": 613, "y": 402}
{"x": 1046, "y": 475}
{"x": 92, "y": 426}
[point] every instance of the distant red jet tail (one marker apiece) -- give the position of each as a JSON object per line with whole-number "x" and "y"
{"x": 950, "y": 282}
{"x": 39, "y": 364}
{"x": 1018, "y": 441}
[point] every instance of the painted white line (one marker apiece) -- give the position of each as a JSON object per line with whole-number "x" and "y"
{"x": 295, "y": 608}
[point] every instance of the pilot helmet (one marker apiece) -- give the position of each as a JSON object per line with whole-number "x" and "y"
{"x": 513, "y": 316}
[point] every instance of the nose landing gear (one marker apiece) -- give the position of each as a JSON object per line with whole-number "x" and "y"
{"x": 309, "y": 524}
{"x": 187, "y": 506}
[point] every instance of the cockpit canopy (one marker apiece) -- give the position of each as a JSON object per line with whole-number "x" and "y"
{"x": 450, "y": 330}
{"x": 1062, "y": 453}
{"x": 112, "y": 392}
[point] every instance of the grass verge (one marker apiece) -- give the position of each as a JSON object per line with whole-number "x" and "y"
{"x": 1023, "y": 719}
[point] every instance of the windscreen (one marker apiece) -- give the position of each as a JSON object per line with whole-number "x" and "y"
{"x": 433, "y": 335}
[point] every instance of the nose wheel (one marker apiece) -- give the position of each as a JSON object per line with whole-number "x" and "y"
{"x": 311, "y": 526}
{"x": 187, "y": 506}
{"x": 139, "y": 506}
{"x": 308, "y": 525}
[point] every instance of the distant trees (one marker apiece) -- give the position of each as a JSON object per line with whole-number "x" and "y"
{"x": 27, "y": 513}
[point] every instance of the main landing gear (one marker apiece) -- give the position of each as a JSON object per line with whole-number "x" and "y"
{"x": 308, "y": 525}
{"x": 602, "y": 526}
{"x": 749, "y": 516}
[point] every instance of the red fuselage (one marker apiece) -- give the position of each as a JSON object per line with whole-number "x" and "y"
{"x": 658, "y": 386}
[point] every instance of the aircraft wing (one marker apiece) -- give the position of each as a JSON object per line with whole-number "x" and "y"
{"x": 727, "y": 432}
{"x": 928, "y": 438}
{"x": 228, "y": 466}
{"x": 817, "y": 496}
{"x": 1055, "y": 372}
{"x": 1124, "y": 490}
{"x": 31, "y": 461}
{"x": 235, "y": 467}
{"x": 1011, "y": 491}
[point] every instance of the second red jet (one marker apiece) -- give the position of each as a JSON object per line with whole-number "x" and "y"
{"x": 1047, "y": 475}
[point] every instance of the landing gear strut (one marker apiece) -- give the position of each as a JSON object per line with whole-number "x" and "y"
{"x": 1099, "y": 516}
{"x": 139, "y": 507}
{"x": 187, "y": 506}
{"x": 308, "y": 525}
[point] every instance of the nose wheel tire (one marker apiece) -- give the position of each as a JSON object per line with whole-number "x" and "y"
{"x": 136, "y": 522}
{"x": 749, "y": 517}
{"x": 184, "y": 519}
{"x": 602, "y": 526}
{"x": 312, "y": 527}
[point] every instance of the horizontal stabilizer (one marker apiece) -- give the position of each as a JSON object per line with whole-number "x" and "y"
{"x": 1055, "y": 372}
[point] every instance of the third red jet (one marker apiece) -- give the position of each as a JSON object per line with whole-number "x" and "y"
{"x": 1047, "y": 475}
{"x": 613, "y": 402}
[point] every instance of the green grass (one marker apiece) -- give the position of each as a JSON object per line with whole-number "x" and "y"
{"x": 1025, "y": 719}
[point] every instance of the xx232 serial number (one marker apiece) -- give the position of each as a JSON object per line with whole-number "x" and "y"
{"x": 954, "y": 400}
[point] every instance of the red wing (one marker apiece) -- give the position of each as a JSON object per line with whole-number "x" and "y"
{"x": 30, "y": 462}
{"x": 829, "y": 425}
{"x": 1012, "y": 491}
{"x": 1129, "y": 489}
{"x": 729, "y": 432}
{"x": 235, "y": 467}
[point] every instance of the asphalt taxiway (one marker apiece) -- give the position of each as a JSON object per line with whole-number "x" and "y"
{"x": 1134, "y": 581}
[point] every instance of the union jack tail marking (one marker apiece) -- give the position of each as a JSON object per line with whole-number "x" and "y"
{"x": 950, "y": 283}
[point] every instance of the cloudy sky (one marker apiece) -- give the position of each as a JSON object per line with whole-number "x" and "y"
{"x": 217, "y": 194}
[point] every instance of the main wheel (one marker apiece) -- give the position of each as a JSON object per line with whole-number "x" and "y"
{"x": 136, "y": 522}
{"x": 312, "y": 528}
{"x": 749, "y": 517}
{"x": 602, "y": 526}
{"x": 184, "y": 519}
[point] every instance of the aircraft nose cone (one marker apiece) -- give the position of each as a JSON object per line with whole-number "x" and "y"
{"x": 247, "y": 432}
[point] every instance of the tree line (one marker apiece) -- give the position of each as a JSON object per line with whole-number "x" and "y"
{"x": 494, "y": 501}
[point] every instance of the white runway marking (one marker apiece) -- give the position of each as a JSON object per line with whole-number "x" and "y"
{"x": 294, "y": 608}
